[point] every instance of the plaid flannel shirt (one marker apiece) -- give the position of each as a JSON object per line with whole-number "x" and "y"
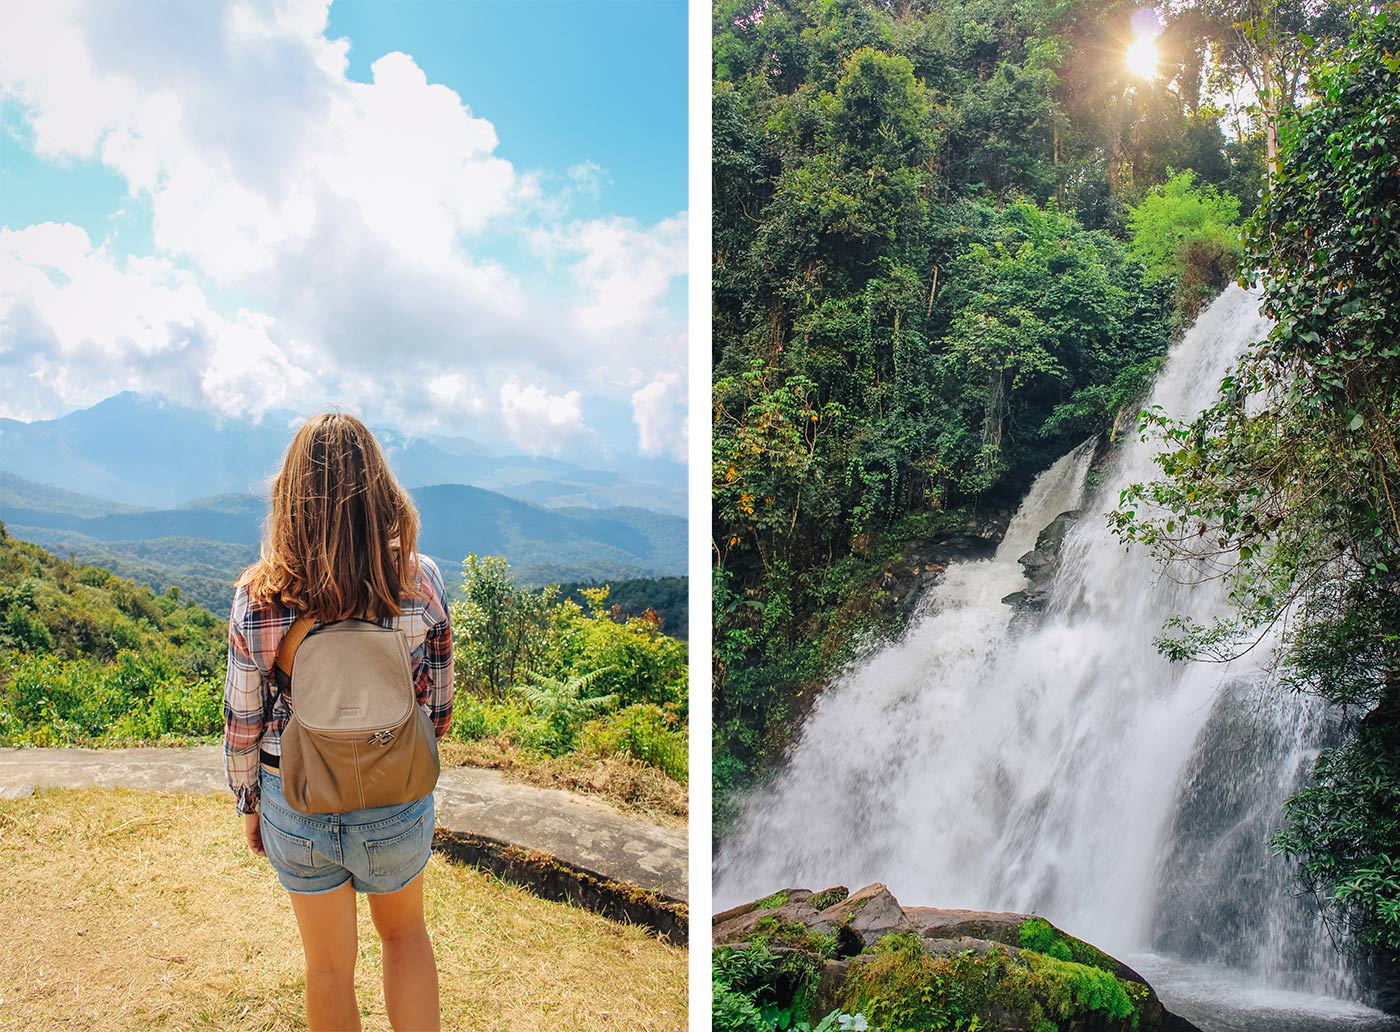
{"x": 255, "y": 712}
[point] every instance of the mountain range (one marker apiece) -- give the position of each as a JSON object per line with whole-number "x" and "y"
{"x": 168, "y": 495}
{"x": 154, "y": 453}
{"x": 211, "y": 539}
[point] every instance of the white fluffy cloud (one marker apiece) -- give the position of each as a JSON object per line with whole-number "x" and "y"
{"x": 623, "y": 270}
{"x": 539, "y": 421}
{"x": 659, "y": 410}
{"x": 354, "y": 217}
{"x": 76, "y": 327}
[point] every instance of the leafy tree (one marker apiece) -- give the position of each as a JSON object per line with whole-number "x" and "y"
{"x": 1267, "y": 44}
{"x": 1189, "y": 236}
{"x": 640, "y": 663}
{"x": 878, "y": 112}
{"x": 499, "y": 628}
{"x": 1289, "y": 485}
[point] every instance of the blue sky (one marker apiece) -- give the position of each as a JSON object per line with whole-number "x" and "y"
{"x": 563, "y": 81}
{"x": 465, "y": 216}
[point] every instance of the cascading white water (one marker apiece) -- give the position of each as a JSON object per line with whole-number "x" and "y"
{"x": 1059, "y": 765}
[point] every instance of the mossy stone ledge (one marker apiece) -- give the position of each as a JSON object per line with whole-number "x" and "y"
{"x": 918, "y": 969}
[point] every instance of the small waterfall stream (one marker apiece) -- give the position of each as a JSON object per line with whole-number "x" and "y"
{"x": 1057, "y": 764}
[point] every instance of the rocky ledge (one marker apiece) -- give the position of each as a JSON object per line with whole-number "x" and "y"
{"x": 912, "y": 969}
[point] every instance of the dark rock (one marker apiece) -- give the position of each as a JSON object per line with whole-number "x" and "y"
{"x": 833, "y": 978}
{"x": 1381, "y": 979}
{"x": 1027, "y": 601}
{"x": 956, "y": 549}
{"x": 1041, "y": 564}
{"x": 990, "y": 525}
{"x": 925, "y": 564}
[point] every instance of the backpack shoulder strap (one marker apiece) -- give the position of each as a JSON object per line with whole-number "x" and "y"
{"x": 287, "y": 650}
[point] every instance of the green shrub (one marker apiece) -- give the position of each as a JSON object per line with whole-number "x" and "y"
{"x": 124, "y": 635}
{"x": 641, "y": 663}
{"x": 645, "y": 732}
{"x": 49, "y": 700}
{"x": 26, "y": 630}
{"x": 475, "y": 718}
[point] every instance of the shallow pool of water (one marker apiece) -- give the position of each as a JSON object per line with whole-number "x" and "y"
{"x": 1219, "y": 1000}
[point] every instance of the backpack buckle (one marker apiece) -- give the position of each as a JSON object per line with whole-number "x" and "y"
{"x": 381, "y": 738}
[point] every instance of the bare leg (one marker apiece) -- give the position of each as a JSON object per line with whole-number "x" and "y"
{"x": 330, "y": 941}
{"x": 410, "y": 969}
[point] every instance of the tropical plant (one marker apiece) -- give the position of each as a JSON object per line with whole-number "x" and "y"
{"x": 499, "y": 627}
{"x": 1187, "y": 235}
{"x": 562, "y": 703}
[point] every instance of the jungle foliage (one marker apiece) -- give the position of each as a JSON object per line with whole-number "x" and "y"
{"x": 927, "y": 287}
{"x": 90, "y": 658}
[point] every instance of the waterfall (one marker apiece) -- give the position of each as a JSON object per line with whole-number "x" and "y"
{"x": 1057, "y": 763}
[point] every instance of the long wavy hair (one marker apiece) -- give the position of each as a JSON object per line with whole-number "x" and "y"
{"x": 341, "y": 538}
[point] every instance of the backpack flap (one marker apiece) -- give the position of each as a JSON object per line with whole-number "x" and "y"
{"x": 353, "y": 677}
{"x": 356, "y": 737}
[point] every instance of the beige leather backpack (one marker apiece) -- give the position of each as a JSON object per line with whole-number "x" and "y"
{"x": 357, "y": 737}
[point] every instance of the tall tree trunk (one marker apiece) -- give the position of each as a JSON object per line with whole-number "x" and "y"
{"x": 1269, "y": 103}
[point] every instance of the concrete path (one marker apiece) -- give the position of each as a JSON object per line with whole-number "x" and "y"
{"x": 473, "y": 805}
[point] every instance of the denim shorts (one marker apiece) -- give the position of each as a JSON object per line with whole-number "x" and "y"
{"x": 380, "y": 849}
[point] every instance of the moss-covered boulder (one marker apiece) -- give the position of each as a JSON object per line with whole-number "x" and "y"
{"x": 914, "y": 969}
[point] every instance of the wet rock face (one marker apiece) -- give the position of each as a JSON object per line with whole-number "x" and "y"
{"x": 908, "y": 968}
{"x": 1042, "y": 563}
{"x": 905, "y": 582}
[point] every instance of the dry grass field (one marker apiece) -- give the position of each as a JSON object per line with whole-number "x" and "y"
{"x": 142, "y": 910}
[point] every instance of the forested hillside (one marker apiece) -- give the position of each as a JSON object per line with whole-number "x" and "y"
{"x": 951, "y": 241}
{"x": 202, "y": 545}
{"x": 581, "y": 694}
{"x": 86, "y": 655}
{"x": 667, "y": 597}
